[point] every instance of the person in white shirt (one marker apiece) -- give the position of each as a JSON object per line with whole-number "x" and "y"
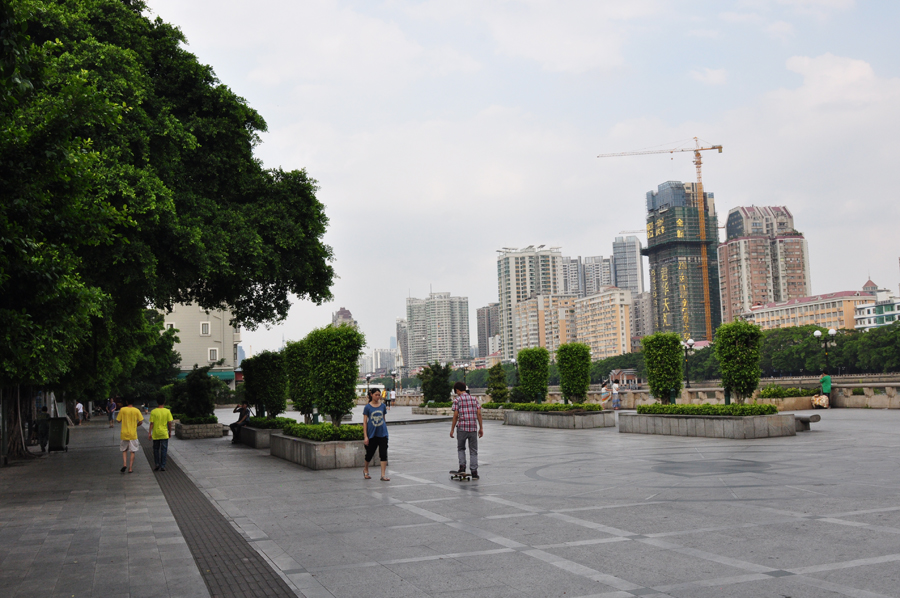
{"x": 79, "y": 412}
{"x": 615, "y": 393}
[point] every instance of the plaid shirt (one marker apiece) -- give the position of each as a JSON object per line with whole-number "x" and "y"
{"x": 468, "y": 408}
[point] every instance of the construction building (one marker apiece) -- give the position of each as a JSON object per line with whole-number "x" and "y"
{"x": 762, "y": 260}
{"x": 545, "y": 321}
{"x": 603, "y": 322}
{"x": 684, "y": 277}
{"x": 437, "y": 329}
{"x": 521, "y": 274}
{"x": 402, "y": 342}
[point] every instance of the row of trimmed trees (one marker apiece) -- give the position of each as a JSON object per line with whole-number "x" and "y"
{"x": 736, "y": 347}
{"x": 318, "y": 372}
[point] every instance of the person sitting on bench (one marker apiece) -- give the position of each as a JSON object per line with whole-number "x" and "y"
{"x": 244, "y": 410}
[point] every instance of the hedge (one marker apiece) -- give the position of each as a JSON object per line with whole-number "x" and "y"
{"x": 437, "y": 404}
{"x": 556, "y": 407}
{"x": 773, "y": 391}
{"x": 270, "y": 423}
{"x": 194, "y": 421}
{"x": 498, "y": 406}
{"x": 324, "y": 432}
{"x": 734, "y": 410}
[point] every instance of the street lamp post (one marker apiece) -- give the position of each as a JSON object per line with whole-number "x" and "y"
{"x": 394, "y": 386}
{"x": 826, "y": 342}
{"x": 368, "y": 377}
{"x": 465, "y": 369}
{"x": 688, "y": 350}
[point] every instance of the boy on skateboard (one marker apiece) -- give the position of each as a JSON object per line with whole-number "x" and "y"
{"x": 467, "y": 422}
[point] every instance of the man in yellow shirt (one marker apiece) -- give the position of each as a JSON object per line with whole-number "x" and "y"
{"x": 130, "y": 418}
{"x": 160, "y": 430}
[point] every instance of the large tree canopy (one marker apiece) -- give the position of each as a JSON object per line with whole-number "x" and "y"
{"x": 128, "y": 180}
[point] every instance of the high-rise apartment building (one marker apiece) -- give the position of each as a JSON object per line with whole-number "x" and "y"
{"x": 603, "y": 322}
{"x": 523, "y": 273}
{"x": 573, "y": 276}
{"x": 343, "y": 316}
{"x": 628, "y": 265}
{"x": 545, "y": 321}
{"x": 641, "y": 315}
{"x": 402, "y": 342}
{"x": 437, "y": 329}
{"x": 762, "y": 260}
{"x": 366, "y": 364}
{"x": 384, "y": 359}
{"x": 488, "y": 318}
{"x": 599, "y": 273}
{"x": 684, "y": 292}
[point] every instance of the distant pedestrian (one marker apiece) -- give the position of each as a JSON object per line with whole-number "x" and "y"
{"x": 160, "y": 431}
{"x": 825, "y": 381}
{"x": 244, "y": 410}
{"x": 615, "y": 393}
{"x": 130, "y": 419}
{"x": 391, "y": 398}
{"x": 42, "y": 426}
{"x": 79, "y": 413}
{"x": 375, "y": 433}
{"x": 467, "y": 422}
{"x": 111, "y": 411}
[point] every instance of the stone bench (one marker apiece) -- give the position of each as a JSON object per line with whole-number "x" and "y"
{"x": 802, "y": 421}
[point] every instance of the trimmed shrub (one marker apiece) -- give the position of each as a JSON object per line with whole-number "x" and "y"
{"x": 773, "y": 391}
{"x": 195, "y": 396}
{"x": 270, "y": 423}
{"x": 333, "y": 362}
{"x": 300, "y": 388}
{"x": 436, "y": 387}
{"x": 662, "y": 356}
{"x": 437, "y": 404}
{"x": 557, "y": 407}
{"x": 574, "y": 362}
{"x": 495, "y": 405}
{"x": 265, "y": 382}
{"x": 498, "y": 387}
{"x": 734, "y": 410}
{"x": 324, "y": 432}
{"x": 737, "y": 350}
{"x": 534, "y": 373}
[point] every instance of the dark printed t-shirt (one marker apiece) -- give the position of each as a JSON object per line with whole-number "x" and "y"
{"x": 377, "y": 426}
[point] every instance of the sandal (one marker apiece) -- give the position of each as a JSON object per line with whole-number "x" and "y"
{"x": 367, "y": 476}
{"x": 384, "y": 479}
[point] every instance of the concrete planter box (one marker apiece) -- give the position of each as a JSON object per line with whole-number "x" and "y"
{"x": 432, "y": 411}
{"x": 560, "y": 419}
{"x": 493, "y": 414}
{"x": 193, "y": 432}
{"x": 709, "y": 426}
{"x": 257, "y": 438}
{"x": 320, "y": 455}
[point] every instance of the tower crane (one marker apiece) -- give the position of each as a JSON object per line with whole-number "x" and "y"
{"x": 701, "y": 205}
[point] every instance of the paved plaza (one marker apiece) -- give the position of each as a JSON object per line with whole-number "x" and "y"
{"x": 571, "y": 513}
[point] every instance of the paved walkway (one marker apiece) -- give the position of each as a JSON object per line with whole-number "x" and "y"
{"x": 572, "y": 513}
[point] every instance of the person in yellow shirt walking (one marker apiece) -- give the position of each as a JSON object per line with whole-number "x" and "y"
{"x": 130, "y": 418}
{"x": 160, "y": 430}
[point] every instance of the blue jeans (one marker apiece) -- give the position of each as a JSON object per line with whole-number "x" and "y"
{"x": 160, "y": 449}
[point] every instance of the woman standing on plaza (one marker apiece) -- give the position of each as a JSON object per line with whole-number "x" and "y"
{"x": 375, "y": 433}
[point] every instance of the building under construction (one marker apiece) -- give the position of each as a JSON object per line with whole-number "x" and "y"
{"x": 684, "y": 273}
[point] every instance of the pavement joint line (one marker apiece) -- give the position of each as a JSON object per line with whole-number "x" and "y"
{"x": 888, "y": 558}
{"x": 833, "y": 587}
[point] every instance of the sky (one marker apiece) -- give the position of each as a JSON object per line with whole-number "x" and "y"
{"x": 440, "y": 131}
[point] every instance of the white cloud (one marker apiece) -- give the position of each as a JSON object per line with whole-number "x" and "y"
{"x": 780, "y": 30}
{"x": 710, "y": 76}
{"x": 570, "y": 37}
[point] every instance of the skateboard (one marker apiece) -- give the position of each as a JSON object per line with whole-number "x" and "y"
{"x": 461, "y": 476}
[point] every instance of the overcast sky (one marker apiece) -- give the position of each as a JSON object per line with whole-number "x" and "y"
{"x": 440, "y": 131}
